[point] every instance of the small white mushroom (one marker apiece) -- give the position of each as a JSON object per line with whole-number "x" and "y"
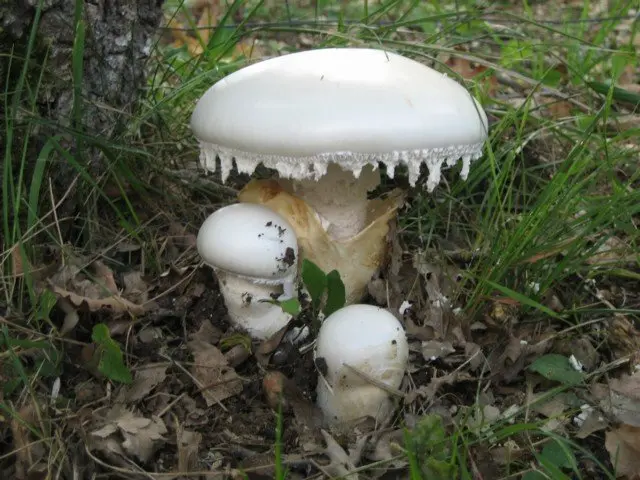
{"x": 355, "y": 345}
{"x": 254, "y": 253}
{"x": 326, "y": 118}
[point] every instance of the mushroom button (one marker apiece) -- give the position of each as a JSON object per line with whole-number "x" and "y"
{"x": 366, "y": 339}
{"x": 254, "y": 254}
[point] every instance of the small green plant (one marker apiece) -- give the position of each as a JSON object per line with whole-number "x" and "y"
{"x": 557, "y": 368}
{"x": 555, "y": 457}
{"x": 281, "y": 472}
{"x": 326, "y": 290}
{"x": 429, "y": 450}
{"x": 46, "y": 361}
{"x": 110, "y": 358}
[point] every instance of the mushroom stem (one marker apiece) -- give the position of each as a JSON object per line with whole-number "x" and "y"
{"x": 339, "y": 197}
{"x": 245, "y": 303}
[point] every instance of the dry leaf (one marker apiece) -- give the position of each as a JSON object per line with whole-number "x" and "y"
{"x": 77, "y": 291}
{"x": 507, "y": 362}
{"x": 104, "y": 277}
{"x": 278, "y": 387}
{"x": 623, "y": 408}
{"x": 341, "y": 465}
{"x": 207, "y": 333}
{"x": 114, "y": 303}
{"x": 71, "y": 317}
{"x": 623, "y": 445}
{"x": 28, "y": 451}
{"x": 135, "y": 288}
{"x": 387, "y": 448}
{"x": 551, "y": 407}
{"x": 593, "y": 422}
{"x": 145, "y": 380}
{"x": 150, "y": 334}
{"x": 428, "y": 392}
{"x": 508, "y": 453}
{"x": 17, "y": 262}
{"x": 468, "y": 70}
{"x": 356, "y": 258}
{"x": 188, "y": 447}
{"x": 125, "y": 432}
{"x": 268, "y": 346}
{"x": 237, "y": 355}
{"x": 218, "y": 381}
{"x": 432, "y": 349}
{"x": 627, "y": 385}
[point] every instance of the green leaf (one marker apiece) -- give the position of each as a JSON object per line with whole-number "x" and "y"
{"x": 556, "y": 367}
{"x": 291, "y": 306}
{"x": 49, "y": 362}
{"x": 558, "y": 454}
{"x": 231, "y": 341}
{"x": 619, "y": 94}
{"x": 336, "y": 295}
{"x": 552, "y": 77}
{"x": 515, "y": 52}
{"x": 111, "y": 363}
{"x": 534, "y": 476}
{"x": 552, "y": 470}
{"x": 315, "y": 280}
{"x": 523, "y": 299}
{"x": 438, "y": 469}
{"x": 46, "y": 302}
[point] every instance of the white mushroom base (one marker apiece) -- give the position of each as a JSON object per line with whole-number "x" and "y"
{"x": 242, "y": 298}
{"x": 354, "y": 342}
{"x": 345, "y": 406}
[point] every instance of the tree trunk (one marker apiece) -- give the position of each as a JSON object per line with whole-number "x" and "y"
{"x": 119, "y": 37}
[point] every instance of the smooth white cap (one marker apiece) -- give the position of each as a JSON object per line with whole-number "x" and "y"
{"x": 371, "y": 340}
{"x": 250, "y": 241}
{"x": 354, "y": 106}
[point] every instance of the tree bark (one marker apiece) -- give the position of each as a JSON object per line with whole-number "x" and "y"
{"x": 119, "y": 38}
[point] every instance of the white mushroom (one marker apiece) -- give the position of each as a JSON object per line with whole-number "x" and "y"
{"x": 366, "y": 339}
{"x": 254, "y": 253}
{"x": 326, "y": 118}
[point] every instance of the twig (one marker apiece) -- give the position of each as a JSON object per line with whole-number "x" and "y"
{"x": 193, "y": 379}
{"x": 373, "y": 381}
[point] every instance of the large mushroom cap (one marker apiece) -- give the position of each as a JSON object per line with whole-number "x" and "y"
{"x": 250, "y": 241}
{"x": 299, "y": 112}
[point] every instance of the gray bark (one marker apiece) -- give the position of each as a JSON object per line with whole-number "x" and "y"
{"x": 120, "y": 36}
{"x": 119, "y": 39}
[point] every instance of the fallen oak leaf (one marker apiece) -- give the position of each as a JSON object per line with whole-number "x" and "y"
{"x": 341, "y": 464}
{"x": 218, "y": 380}
{"x": 123, "y": 431}
{"x": 281, "y": 391}
{"x": 188, "y": 443}
{"x": 428, "y": 392}
{"x": 623, "y": 445}
{"x": 114, "y": 303}
{"x": 145, "y": 380}
{"x": 28, "y": 452}
{"x": 627, "y": 385}
{"x": 104, "y": 277}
